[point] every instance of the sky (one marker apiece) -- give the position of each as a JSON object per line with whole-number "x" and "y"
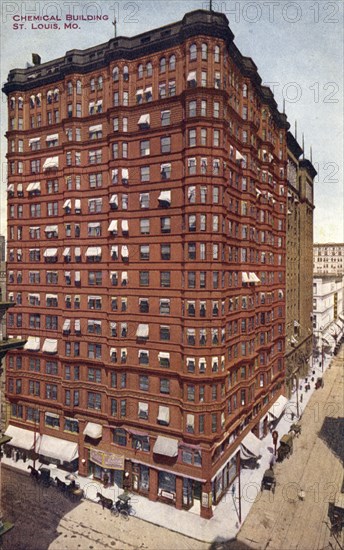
{"x": 298, "y": 47}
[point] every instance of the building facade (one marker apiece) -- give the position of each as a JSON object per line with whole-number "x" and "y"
{"x": 299, "y": 288}
{"x": 328, "y": 313}
{"x": 147, "y": 201}
{"x": 328, "y": 259}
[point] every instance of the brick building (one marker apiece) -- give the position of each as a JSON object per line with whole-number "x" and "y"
{"x": 299, "y": 270}
{"x": 147, "y": 247}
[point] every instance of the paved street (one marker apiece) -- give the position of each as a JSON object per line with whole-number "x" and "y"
{"x": 282, "y": 521}
{"x": 46, "y": 519}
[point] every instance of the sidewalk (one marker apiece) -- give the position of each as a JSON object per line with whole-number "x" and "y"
{"x": 224, "y": 524}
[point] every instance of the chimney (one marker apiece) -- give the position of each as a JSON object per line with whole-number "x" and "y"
{"x": 36, "y": 59}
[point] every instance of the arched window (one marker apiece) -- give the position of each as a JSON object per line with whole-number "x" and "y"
{"x": 244, "y": 90}
{"x": 140, "y": 71}
{"x": 78, "y": 86}
{"x": 204, "y": 52}
{"x": 49, "y": 97}
{"x": 20, "y": 102}
{"x": 100, "y": 82}
{"x": 12, "y": 102}
{"x": 39, "y": 98}
{"x": 149, "y": 69}
{"x": 217, "y": 54}
{"x": 125, "y": 73}
{"x": 193, "y": 52}
{"x": 56, "y": 94}
{"x": 163, "y": 64}
{"x": 172, "y": 63}
{"x": 115, "y": 74}
{"x": 69, "y": 87}
{"x": 92, "y": 85}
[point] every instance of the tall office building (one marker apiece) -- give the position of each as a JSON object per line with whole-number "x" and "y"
{"x": 147, "y": 246}
{"x": 299, "y": 280}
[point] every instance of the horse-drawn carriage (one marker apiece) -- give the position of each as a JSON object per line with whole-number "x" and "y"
{"x": 269, "y": 480}
{"x": 336, "y": 513}
{"x": 285, "y": 450}
{"x": 296, "y": 429}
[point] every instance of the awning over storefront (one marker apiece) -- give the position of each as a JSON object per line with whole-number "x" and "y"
{"x": 166, "y": 446}
{"x": 21, "y": 438}
{"x": 250, "y": 447}
{"x": 107, "y": 460}
{"x": 278, "y": 407}
{"x": 59, "y": 449}
{"x": 93, "y": 430}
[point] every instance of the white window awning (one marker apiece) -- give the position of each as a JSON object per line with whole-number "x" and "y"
{"x": 250, "y": 447}
{"x": 34, "y": 140}
{"x": 67, "y": 203}
{"x": 51, "y": 296}
{"x": 278, "y": 407}
{"x": 253, "y": 278}
{"x": 191, "y": 76}
{"x": 66, "y": 325}
{"x": 93, "y": 251}
{"x": 165, "y": 196}
{"x": 190, "y": 420}
{"x": 142, "y": 331}
{"x": 125, "y": 225}
{"x": 77, "y": 325}
{"x": 113, "y": 225}
{"x": 95, "y": 431}
{"x": 139, "y": 91}
{"x": 164, "y": 355}
{"x": 59, "y": 449}
{"x": 50, "y": 252}
{"x": 296, "y": 323}
{"x": 77, "y": 204}
{"x": 66, "y": 252}
{"x": 245, "y": 277}
{"x": 34, "y": 295}
{"x": 94, "y": 225}
{"x": 144, "y": 119}
{"x": 125, "y": 252}
{"x": 124, "y": 276}
{"x": 125, "y": 174}
{"x": 238, "y": 156}
{"x": 113, "y": 351}
{"x": 49, "y": 345}
{"x": 10, "y": 188}
{"x": 51, "y": 162}
{"x": 114, "y": 200}
{"x": 34, "y": 186}
{"x": 51, "y": 229}
{"x": 166, "y": 446}
{"x": 96, "y": 128}
{"x": 33, "y": 343}
{"x": 21, "y": 438}
{"x": 52, "y": 137}
{"x": 143, "y": 407}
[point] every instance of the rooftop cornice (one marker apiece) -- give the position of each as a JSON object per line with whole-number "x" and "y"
{"x": 308, "y": 166}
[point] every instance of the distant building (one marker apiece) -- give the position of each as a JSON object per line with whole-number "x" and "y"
{"x": 299, "y": 265}
{"x": 328, "y": 258}
{"x": 328, "y": 311}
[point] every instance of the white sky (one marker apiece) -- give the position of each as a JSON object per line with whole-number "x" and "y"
{"x": 296, "y": 45}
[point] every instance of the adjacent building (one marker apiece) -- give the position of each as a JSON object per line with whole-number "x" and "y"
{"x": 328, "y": 313}
{"x": 328, "y": 259}
{"x": 299, "y": 297}
{"x": 147, "y": 207}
